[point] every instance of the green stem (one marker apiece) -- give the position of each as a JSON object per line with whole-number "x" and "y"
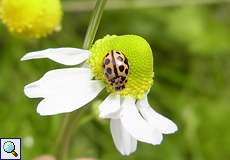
{"x": 69, "y": 126}
{"x": 94, "y": 23}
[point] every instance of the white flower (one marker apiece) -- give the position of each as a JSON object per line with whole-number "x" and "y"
{"x": 65, "y": 90}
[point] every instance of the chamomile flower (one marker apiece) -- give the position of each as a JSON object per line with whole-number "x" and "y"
{"x": 31, "y": 18}
{"x": 123, "y": 65}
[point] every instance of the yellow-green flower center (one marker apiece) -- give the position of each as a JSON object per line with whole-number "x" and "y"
{"x": 140, "y": 64}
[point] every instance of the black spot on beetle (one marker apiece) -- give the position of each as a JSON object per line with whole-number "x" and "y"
{"x": 122, "y": 78}
{"x": 121, "y": 68}
{"x": 126, "y": 61}
{"x": 109, "y": 70}
{"x": 118, "y": 88}
{"x": 107, "y": 61}
{"x": 126, "y": 71}
{"x": 120, "y": 58}
{"x": 113, "y": 80}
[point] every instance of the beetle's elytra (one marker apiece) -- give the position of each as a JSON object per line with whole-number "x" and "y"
{"x": 116, "y": 69}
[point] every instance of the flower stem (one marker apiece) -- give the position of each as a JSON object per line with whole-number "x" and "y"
{"x": 94, "y": 23}
{"x": 69, "y": 126}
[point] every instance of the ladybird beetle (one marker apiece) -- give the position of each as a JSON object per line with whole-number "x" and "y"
{"x": 116, "y": 69}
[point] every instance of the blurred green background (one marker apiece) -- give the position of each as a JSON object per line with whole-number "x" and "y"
{"x": 191, "y": 48}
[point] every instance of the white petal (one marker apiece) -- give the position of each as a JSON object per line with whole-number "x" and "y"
{"x": 123, "y": 141}
{"x": 163, "y": 124}
{"x": 67, "y": 56}
{"x": 70, "y": 101}
{"x": 110, "y": 107}
{"x": 136, "y": 125}
{"x": 56, "y": 81}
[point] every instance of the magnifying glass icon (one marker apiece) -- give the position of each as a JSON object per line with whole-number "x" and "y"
{"x": 9, "y": 147}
